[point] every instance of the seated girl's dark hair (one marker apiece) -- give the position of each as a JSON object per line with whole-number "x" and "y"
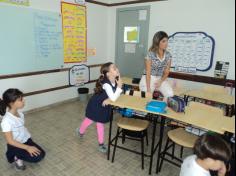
{"x": 8, "y": 97}
{"x": 104, "y": 70}
{"x": 214, "y": 147}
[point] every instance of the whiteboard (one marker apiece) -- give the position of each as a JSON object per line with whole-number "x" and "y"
{"x": 30, "y": 40}
{"x": 192, "y": 50}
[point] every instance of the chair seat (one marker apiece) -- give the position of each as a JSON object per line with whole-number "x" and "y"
{"x": 133, "y": 124}
{"x": 182, "y": 137}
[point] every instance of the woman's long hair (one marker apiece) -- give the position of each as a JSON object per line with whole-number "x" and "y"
{"x": 158, "y": 37}
{"x": 104, "y": 70}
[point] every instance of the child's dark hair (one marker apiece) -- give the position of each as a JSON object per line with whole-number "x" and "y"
{"x": 158, "y": 37}
{"x": 214, "y": 147}
{"x": 104, "y": 70}
{"x": 8, "y": 97}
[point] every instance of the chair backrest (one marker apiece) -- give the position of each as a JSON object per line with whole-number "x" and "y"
{"x": 215, "y": 89}
{"x": 198, "y": 109}
{"x": 138, "y": 94}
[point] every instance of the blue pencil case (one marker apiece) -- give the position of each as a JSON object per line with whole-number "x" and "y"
{"x": 157, "y": 106}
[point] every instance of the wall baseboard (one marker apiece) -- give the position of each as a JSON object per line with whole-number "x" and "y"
{"x": 51, "y": 106}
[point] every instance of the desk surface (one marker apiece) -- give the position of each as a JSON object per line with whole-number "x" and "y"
{"x": 177, "y": 91}
{"x": 220, "y": 98}
{"x": 128, "y": 81}
{"x": 219, "y": 124}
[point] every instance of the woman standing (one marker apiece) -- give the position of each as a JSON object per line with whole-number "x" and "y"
{"x": 157, "y": 67}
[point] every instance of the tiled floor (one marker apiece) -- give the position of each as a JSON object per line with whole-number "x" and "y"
{"x": 67, "y": 155}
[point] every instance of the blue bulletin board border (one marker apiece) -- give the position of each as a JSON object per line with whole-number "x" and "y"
{"x": 77, "y": 66}
{"x": 213, "y": 46}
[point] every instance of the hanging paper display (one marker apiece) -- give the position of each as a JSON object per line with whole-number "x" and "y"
{"x": 75, "y": 33}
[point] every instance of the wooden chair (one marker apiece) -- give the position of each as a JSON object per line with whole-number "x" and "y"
{"x": 135, "y": 129}
{"x": 183, "y": 138}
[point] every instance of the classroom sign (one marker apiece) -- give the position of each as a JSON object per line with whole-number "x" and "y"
{"x": 74, "y": 32}
{"x": 17, "y": 2}
{"x": 79, "y": 75}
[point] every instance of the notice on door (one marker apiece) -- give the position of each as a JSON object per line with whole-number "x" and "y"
{"x": 130, "y": 48}
{"x": 142, "y": 15}
{"x": 131, "y": 34}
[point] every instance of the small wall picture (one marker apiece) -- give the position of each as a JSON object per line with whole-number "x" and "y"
{"x": 82, "y": 2}
{"x": 221, "y": 70}
{"x": 131, "y": 34}
{"x": 79, "y": 75}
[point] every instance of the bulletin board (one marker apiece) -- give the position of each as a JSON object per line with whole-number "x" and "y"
{"x": 192, "y": 51}
{"x": 74, "y": 26}
{"x": 30, "y": 40}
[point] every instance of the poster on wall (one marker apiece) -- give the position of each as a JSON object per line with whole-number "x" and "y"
{"x": 79, "y": 75}
{"x": 17, "y": 2}
{"x": 191, "y": 51}
{"x": 131, "y": 34}
{"x": 74, "y": 32}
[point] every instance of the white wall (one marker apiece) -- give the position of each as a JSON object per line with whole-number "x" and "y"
{"x": 215, "y": 17}
{"x": 97, "y": 19}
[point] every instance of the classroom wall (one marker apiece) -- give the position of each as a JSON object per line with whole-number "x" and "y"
{"x": 216, "y": 17}
{"x": 97, "y": 19}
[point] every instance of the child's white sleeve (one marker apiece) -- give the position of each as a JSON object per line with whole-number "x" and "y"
{"x": 6, "y": 127}
{"x": 112, "y": 96}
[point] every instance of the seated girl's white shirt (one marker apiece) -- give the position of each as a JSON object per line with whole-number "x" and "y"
{"x": 113, "y": 96}
{"x": 190, "y": 167}
{"x": 11, "y": 123}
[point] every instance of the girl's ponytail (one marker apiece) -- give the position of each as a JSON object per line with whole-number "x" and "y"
{"x": 3, "y": 107}
{"x": 104, "y": 70}
{"x": 98, "y": 89}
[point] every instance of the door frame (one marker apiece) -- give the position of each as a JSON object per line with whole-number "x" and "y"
{"x": 148, "y": 8}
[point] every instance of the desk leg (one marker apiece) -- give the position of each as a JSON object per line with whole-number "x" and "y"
{"x": 153, "y": 144}
{"x": 162, "y": 127}
{"x": 230, "y": 110}
{"x": 109, "y": 139}
{"x": 186, "y": 98}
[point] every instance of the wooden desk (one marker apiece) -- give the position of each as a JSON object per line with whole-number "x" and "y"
{"x": 128, "y": 81}
{"x": 220, "y": 98}
{"x": 224, "y": 99}
{"x": 219, "y": 124}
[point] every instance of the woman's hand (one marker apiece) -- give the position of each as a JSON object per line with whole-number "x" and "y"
{"x": 106, "y": 102}
{"x": 33, "y": 151}
{"x": 149, "y": 90}
{"x": 223, "y": 170}
{"x": 158, "y": 84}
